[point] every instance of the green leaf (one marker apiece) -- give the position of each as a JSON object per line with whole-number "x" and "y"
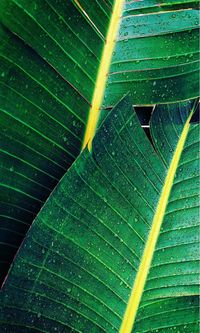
{"x": 156, "y": 56}
{"x": 79, "y": 263}
{"x": 54, "y": 66}
{"x": 47, "y": 78}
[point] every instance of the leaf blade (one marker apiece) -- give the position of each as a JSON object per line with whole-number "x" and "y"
{"x": 89, "y": 254}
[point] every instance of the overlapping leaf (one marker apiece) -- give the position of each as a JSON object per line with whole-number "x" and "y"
{"x": 47, "y": 77}
{"x": 50, "y": 55}
{"x": 77, "y": 266}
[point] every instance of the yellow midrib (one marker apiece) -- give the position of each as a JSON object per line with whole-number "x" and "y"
{"x": 139, "y": 283}
{"x": 102, "y": 74}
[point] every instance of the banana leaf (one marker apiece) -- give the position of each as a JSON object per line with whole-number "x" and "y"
{"x": 115, "y": 247}
{"x": 54, "y": 61}
{"x": 44, "y": 104}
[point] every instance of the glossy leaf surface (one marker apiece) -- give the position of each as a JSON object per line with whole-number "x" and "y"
{"x": 78, "y": 263}
{"x": 156, "y": 56}
{"x": 50, "y": 55}
{"x": 47, "y": 78}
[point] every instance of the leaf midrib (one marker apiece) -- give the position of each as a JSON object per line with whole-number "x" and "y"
{"x": 140, "y": 280}
{"x": 102, "y": 74}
